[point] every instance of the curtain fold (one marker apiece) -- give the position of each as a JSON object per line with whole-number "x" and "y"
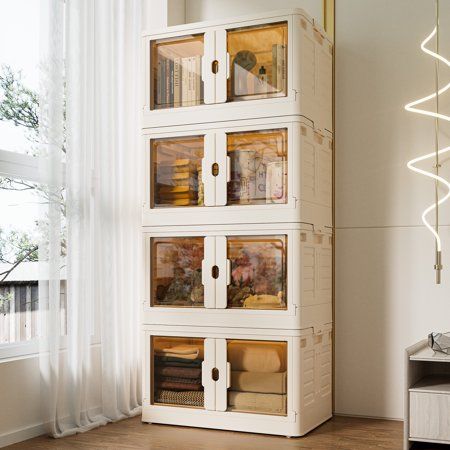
{"x": 96, "y": 379}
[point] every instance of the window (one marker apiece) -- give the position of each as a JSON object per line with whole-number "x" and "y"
{"x": 21, "y": 189}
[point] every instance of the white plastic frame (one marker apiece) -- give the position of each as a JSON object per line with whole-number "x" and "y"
{"x": 303, "y": 413}
{"x": 305, "y": 203}
{"x": 308, "y": 93}
{"x": 308, "y": 292}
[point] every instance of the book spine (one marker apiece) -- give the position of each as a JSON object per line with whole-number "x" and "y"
{"x": 157, "y": 92}
{"x": 274, "y": 66}
{"x": 171, "y": 82}
{"x": 176, "y": 81}
{"x": 197, "y": 79}
{"x": 191, "y": 81}
{"x": 281, "y": 68}
{"x": 184, "y": 81}
{"x": 167, "y": 82}
{"x": 163, "y": 82}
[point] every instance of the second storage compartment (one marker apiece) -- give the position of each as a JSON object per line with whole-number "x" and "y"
{"x": 259, "y": 171}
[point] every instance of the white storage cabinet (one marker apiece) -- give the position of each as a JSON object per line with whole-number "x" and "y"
{"x": 235, "y": 276}
{"x": 237, "y": 224}
{"x": 298, "y": 369}
{"x": 262, "y": 171}
{"x": 265, "y": 65}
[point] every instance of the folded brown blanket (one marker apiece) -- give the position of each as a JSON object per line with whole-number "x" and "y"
{"x": 262, "y": 382}
{"x": 264, "y": 403}
{"x": 182, "y": 372}
{"x": 187, "y": 398}
{"x": 176, "y": 362}
{"x": 178, "y": 386}
{"x": 251, "y": 356}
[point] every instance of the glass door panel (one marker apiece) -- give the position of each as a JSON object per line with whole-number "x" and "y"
{"x": 176, "y": 171}
{"x": 258, "y": 172}
{"x": 177, "y": 371}
{"x": 258, "y": 60}
{"x": 258, "y": 376}
{"x": 176, "y": 271}
{"x": 176, "y": 72}
{"x": 258, "y": 272}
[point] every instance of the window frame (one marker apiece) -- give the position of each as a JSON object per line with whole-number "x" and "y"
{"x": 26, "y": 167}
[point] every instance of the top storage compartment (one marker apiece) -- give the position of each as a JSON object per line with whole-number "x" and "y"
{"x": 262, "y": 66}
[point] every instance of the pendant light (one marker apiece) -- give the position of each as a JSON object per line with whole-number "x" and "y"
{"x": 435, "y": 155}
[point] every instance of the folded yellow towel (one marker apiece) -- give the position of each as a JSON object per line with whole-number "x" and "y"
{"x": 268, "y": 383}
{"x": 180, "y": 351}
{"x": 253, "y": 356}
{"x": 262, "y": 403}
{"x": 263, "y": 302}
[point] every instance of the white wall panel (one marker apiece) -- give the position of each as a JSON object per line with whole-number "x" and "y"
{"x": 198, "y": 10}
{"x": 379, "y": 68}
{"x": 386, "y": 300}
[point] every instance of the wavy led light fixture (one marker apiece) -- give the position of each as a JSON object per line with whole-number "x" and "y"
{"x": 438, "y": 152}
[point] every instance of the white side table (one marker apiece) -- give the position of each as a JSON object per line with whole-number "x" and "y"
{"x": 427, "y": 396}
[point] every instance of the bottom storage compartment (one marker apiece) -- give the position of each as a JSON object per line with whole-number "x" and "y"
{"x": 243, "y": 380}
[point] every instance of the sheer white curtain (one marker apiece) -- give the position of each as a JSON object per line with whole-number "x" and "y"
{"x": 91, "y": 52}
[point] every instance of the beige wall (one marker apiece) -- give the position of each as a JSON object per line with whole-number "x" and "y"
{"x": 198, "y": 10}
{"x": 386, "y": 298}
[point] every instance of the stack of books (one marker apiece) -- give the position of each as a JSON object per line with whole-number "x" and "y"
{"x": 180, "y": 189}
{"x": 178, "y": 81}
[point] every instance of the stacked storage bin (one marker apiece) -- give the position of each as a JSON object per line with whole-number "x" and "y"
{"x": 237, "y": 224}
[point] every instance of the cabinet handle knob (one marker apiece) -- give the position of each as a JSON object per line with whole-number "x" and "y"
{"x": 215, "y": 272}
{"x": 215, "y": 66}
{"x": 215, "y": 374}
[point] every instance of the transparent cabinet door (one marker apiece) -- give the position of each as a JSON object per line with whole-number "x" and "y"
{"x": 258, "y": 372}
{"x": 176, "y": 171}
{"x": 177, "y": 371}
{"x": 258, "y": 272}
{"x": 258, "y": 172}
{"x": 258, "y": 62}
{"x": 176, "y": 72}
{"x": 176, "y": 271}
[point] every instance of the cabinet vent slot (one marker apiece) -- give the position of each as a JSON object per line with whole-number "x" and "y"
{"x": 215, "y": 66}
{"x": 215, "y": 272}
{"x": 215, "y": 169}
{"x": 215, "y": 374}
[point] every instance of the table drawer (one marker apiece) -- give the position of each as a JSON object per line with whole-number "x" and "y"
{"x": 429, "y": 416}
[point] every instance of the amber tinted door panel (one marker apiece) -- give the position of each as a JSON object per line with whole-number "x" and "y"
{"x": 258, "y": 376}
{"x": 258, "y": 272}
{"x": 176, "y": 271}
{"x": 177, "y": 371}
{"x": 258, "y": 62}
{"x": 176, "y": 72}
{"x": 258, "y": 172}
{"x": 176, "y": 171}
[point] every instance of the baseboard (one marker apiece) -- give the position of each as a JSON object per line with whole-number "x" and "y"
{"x": 32, "y": 431}
{"x": 21, "y": 434}
{"x": 360, "y": 416}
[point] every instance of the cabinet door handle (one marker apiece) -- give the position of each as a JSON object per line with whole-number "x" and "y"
{"x": 215, "y": 374}
{"x": 215, "y": 66}
{"x": 215, "y": 272}
{"x": 215, "y": 169}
